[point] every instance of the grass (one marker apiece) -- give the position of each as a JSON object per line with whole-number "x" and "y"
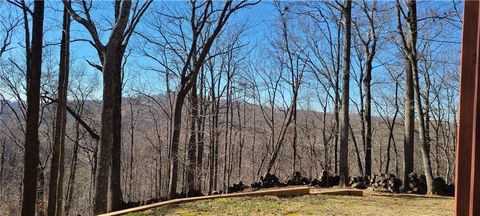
{"x": 310, "y": 205}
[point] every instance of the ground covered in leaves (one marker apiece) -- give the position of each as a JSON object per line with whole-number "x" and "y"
{"x": 311, "y": 205}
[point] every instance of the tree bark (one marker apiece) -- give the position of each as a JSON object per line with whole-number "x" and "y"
{"x": 111, "y": 56}
{"x": 115, "y": 176}
{"x": 391, "y": 128}
{"x": 200, "y": 131}
{"x": 73, "y": 171}
{"x": 227, "y": 130}
{"x": 177, "y": 126}
{"x": 368, "y": 118}
{"x": 193, "y": 139}
{"x": 55, "y": 195}
{"x": 408, "y": 140}
{"x": 368, "y": 114}
{"x": 34, "y": 71}
{"x": 418, "y": 101}
{"x": 2, "y": 164}
{"x": 344, "y": 111}
{"x": 359, "y": 160}
{"x": 410, "y": 52}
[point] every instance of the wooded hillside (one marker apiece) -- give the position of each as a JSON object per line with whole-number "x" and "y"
{"x": 104, "y": 104}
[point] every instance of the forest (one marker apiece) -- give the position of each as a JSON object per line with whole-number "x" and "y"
{"x": 106, "y": 105}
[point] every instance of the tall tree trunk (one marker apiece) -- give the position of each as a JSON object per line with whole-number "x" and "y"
{"x": 278, "y": 142}
{"x": 337, "y": 98}
{"x": 109, "y": 161}
{"x": 105, "y": 151}
{"x": 2, "y": 164}
{"x": 41, "y": 190}
{"x": 73, "y": 171}
{"x": 368, "y": 116}
{"x": 418, "y": 101}
{"x": 427, "y": 165}
{"x": 213, "y": 133}
{"x": 115, "y": 177}
{"x": 34, "y": 73}
{"x": 231, "y": 146}
{"x": 192, "y": 142}
{"x": 408, "y": 140}
{"x": 423, "y": 130}
{"x": 241, "y": 124}
{"x": 55, "y": 195}
{"x": 295, "y": 136}
{"x": 177, "y": 126}
{"x": 359, "y": 160}
{"x": 254, "y": 139}
{"x": 227, "y": 131}
{"x": 132, "y": 150}
{"x": 200, "y": 132}
{"x": 369, "y": 45}
{"x": 111, "y": 56}
{"x": 216, "y": 143}
{"x": 411, "y": 55}
{"x": 326, "y": 142}
{"x": 337, "y": 132}
{"x": 344, "y": 112}
{"x": 391, "y": 128}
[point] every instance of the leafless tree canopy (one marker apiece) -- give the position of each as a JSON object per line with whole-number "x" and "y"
{"x": 106, "y": 105}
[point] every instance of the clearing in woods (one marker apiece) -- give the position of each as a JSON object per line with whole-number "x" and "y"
{"x": 311, "y": 205}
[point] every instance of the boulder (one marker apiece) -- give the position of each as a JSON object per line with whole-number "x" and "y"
{"x": 236, "y": 187}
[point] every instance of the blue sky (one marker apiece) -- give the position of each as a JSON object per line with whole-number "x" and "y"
{"x": 258, "y": 19}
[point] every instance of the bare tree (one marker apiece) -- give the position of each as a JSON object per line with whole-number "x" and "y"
{"x": 369, "y": 43}
{"x": 290, "y": 61}
{"x": 34, "y": 73}
{"x": 344, "y": 111}
{"x": 8, "y": 24}
{"x": 111, "y": 56}
{"x": 192, "y": 142}
{"x": 201, "y": 26}
{"x": 81, "y": 90}
{"x": 413, "y": 92}
{"x": 252, "y": 104}
{"x": 325, "y": 61}
{"x": 390, "y": 122}
{"x": 55, "y": 195}
{"x": 408, "y": 142}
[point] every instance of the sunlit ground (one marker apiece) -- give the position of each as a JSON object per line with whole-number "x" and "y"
{"x": 311, "y": 205}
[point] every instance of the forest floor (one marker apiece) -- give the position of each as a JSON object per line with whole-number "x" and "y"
{"x": 311, "y": 205}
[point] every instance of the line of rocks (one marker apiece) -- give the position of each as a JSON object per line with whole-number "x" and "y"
{"x": 270, "y": 180}
{"x": 383, "y": 183}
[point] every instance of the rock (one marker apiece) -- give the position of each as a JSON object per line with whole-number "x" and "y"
{"x": 439, "y": 186}
{"x": 305, "y": 181}
{"x": 268, "y": 181}
{"x": 297, "y": 179}
{"x": 359, "y": 185}
{"x": 412, "y": 176}
{"x": 384, "y": 182}
{"x": 396, "y": 184}
{"x": 236, "y": 187}
{"x": 256, "y": 185}
{"x": 315, "y": 182}
{"x": 416, "y": 184}
{"x": 194, "y": 193}
{"x": 450, "y": 190}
